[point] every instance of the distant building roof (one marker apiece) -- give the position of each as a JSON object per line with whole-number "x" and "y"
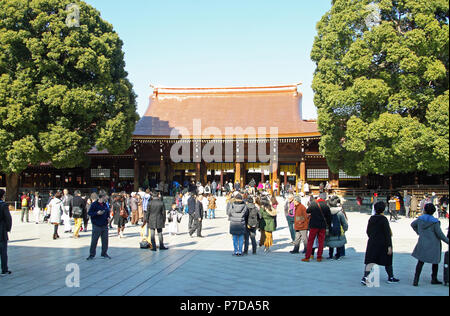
{"x": 175, "y": 109}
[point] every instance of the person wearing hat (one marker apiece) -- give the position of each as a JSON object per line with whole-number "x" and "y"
{"x": 5, "y": 228}
{"x": 301, "y": 223}
{"x": 100, "y": 214}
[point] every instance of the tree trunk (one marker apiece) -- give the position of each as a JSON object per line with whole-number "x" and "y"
{"x": 12, "y": 187}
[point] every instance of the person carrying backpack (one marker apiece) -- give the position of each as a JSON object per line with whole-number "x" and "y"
{"x": 339, "y": 225}
{"x": 252, "y": 224}
{"x": 25, "y": 204}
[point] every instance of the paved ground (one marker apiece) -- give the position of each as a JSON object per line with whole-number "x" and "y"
{"x": 205, "y": 267}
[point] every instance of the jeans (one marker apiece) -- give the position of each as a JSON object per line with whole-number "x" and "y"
{"x": 291, "y": 221}
{"x": 4, "y": 255}
{"x": 160, "y": 237}
{"x": 196, "y": 226}
{"x": 186, "y": 209}
{"x": 300, "y": 236}
{"x": 338, "y": 252}
{"x": 407, "y": 208}
{"x": 313, "y": 232}
{"x": 250, "y": 234}
{"x": 213, "y": 212}
{"x": 99, "y": 232}
{"x": 238, "y": 243}
{"x": 25, "y": 212}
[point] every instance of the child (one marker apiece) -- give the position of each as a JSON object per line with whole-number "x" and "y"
{"x": 173, "y": 220}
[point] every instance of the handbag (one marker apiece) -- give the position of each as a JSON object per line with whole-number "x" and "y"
{"x": 327, "y": 230}
{"x": 123, "y": 213}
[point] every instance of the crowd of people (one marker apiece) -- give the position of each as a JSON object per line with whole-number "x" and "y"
{"x": 314, "y": 222}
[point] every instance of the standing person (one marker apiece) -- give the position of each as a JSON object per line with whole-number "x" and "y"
{"x": 5, "y": 228}
{"x": 319, "y": 222}
{"x": 238, "y": 214}
{"x": 205, "y": 205}
{"x": 407, "y": 203}
{"x": 120, "y": 214}
{"x": 306, "y": 188}
{"x": 134, "y": 209}
{"x": 214, "y": 188}
{"x": 212, "y": 207}
{"x": 339, "y": 225}
{"x": 67, "y": 199}
{"x": 379, "y": 246}
{"x": 414, "y": 206}
{"x": 267, "y": 223}
{"x": 99, "y": 213}
{"x": 197, "y": 214}
{"x": 173, "y": 220}
{"x": 184, "y": 202}
{"x": 156, "y": 219}
{"x": 140, "y": 197}
{"x": 78, "y": 212}
{"x": 289, "y": 212}
{"x": 392, "y": 209}
{"x": 56, "y": 210}
{"x": 301, "y": 224}
{"x": 37, "y": 207}
{"x": 429, "y": 247}
{"x": 25, "y": 204}
{"x": 86, "y": 216}
{"x": 252, "y": 223}
{"x": 374, "y": 201}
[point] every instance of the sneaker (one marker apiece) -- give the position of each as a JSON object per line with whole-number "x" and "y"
{"x": 90, "y": 258}
{"x": 3, "y": 274}
{"x": 392, "y": 281}
{"x": 305, "y": 260}
{"x": 337, "y": 258}
{"x": 106, "y": 257}
{"x": 319, "y": 259}
{"x": 364, "y": 281}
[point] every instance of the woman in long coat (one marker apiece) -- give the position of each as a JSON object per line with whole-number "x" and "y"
{"x": 267, "y": 224}
{"x": 156, "y": 219}
{"x": 56, "y": 210}
{"x": 379, "y": 247}
{"x": 337, "y": 241}
{"x": 119, "y": 220}
{"x": 429, "y": 247}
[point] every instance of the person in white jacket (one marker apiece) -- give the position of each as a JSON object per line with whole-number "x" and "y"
{"x": 56, "y": 210}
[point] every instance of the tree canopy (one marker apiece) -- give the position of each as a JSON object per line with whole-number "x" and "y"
{"x": 63, "y": 85}
{"x": 382, "y": 86}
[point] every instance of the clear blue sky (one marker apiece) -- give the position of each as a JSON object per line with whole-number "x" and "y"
{"x": 206, "y": 43}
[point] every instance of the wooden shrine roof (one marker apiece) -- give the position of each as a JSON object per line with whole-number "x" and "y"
{"x": 175, "y": 109}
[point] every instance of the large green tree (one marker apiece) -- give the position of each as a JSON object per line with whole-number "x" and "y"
{"x": 63, "y": 87}
{"x": 382, "y": 86}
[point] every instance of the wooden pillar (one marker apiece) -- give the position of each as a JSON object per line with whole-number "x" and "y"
{"x": 203, "y": 173}
{"x": 334, "y": 180}
{"x": 238, "y": 173}
{"x": 198, "y": 171}
{"x": 274, "y": 170}
{"x": 162, "y": 170}
{"x": 136, "y": 174}
{"x": 221, "y": 178}
{"x": 262, "y": 176}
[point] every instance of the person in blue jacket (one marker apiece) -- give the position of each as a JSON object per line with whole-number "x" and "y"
{"x": 100, "y": 214}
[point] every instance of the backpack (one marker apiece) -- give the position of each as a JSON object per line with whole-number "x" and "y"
{"x": 144, "y": 244}
{"x": 77, "y": 212}
{"x": 24, "y": 202}
{"x": 335, "y": 229}
{"x": 253, "y": 217}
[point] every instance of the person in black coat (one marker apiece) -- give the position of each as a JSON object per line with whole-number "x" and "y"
{"x": 5, "y": 228}
{"x": 156, "y": 219}
{"x": 196, "y": 215}
{"x": 379, "y": 247}
{"x": 319, "y": 222}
